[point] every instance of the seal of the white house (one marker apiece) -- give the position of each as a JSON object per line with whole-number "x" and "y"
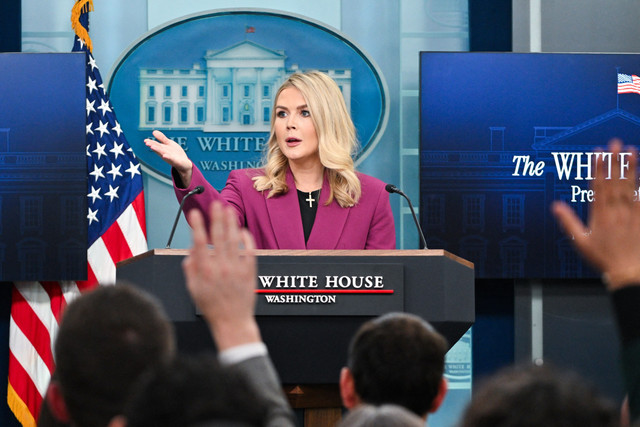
{"x": 208, "y": 81}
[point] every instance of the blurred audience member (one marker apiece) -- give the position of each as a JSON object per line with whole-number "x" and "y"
{"x": 397, "y": 359}
{"x": 107, "y": 338}
{"x": 533, "y": 396}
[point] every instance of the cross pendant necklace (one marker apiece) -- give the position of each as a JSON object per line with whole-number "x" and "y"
{"x": 310, "y": 199}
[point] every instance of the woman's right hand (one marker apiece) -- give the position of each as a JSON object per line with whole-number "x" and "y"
{"x": 172, "y": 153}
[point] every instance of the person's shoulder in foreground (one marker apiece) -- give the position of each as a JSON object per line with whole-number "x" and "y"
{"x": 381, "y": 416}
{"x": 191, "y": 390}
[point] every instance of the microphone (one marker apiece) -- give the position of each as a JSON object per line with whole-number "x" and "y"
{"x": 199, "y": 189}
{"x": 393, "y": 189}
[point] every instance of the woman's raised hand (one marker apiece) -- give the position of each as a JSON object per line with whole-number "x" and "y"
{"x": 172, "y": 153}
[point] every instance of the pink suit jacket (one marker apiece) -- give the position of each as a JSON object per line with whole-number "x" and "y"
{"x": 276, "y": 223}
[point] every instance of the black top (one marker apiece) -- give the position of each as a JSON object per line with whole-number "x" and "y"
{"x": 308, "y": 208}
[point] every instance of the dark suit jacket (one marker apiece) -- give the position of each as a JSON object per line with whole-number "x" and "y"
{"x": 626, "y": 301}
{"x": 264, "y": 380}
{"x": 276, "y": 222}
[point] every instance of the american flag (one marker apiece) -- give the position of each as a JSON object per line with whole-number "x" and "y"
{"x": 628, "y": 83}
{"x": 117, "y": 231}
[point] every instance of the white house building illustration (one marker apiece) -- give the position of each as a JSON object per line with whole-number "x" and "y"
{"x": 234, "y": 93}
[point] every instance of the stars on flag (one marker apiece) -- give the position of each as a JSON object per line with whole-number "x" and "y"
{"x": 117, "y": 130}
{"x": 134, "y": 169}
{"x": 90, "y": 108}
{"x": 111, "y": 163}
{"x": 92, "y": 62}
{"x": 91, "y": 85}
{"x": 97, "y": 172}
{"x": 117, "y": 150}
{"x": 115, "y": 171}
{"x": 93, "y": 216}
{"x": 94, "y": 194}
{"x": 102, "y": 128}
{"x": 104, "y": 106}
{"x": 100, "y": 150}
{"x": 112, "y": 193}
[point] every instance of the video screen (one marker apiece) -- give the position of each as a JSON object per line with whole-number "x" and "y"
{"x": 503, "y": 135}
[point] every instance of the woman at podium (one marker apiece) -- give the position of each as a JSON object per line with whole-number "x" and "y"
{"x": 308, "y": 194}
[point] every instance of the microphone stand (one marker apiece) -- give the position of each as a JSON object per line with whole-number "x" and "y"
{"x": 199, "y": 189}
{"x": 393, "y": 189}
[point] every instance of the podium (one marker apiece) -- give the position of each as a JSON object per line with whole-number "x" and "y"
{"x": 308, "y": 342}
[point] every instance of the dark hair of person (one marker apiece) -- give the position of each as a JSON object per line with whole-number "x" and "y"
{"x": 398, "y": 358}
{"x": 108, "y": 336}
{"x": 194, "y": 391}
{"x": 530, "y": 395}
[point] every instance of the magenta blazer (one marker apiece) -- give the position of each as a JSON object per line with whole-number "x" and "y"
{"x": 276, "y": 222}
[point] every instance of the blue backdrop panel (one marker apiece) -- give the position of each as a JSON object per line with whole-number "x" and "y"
{"x": 43, "y": 176}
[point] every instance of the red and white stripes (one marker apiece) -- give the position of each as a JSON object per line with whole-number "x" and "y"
{"x": 37, "y": 308}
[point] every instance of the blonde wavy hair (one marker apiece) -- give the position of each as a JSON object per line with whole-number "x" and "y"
{"x": 337, "y": 143}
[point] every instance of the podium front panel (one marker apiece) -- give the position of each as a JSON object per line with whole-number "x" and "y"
{"x": 312, "y": 348}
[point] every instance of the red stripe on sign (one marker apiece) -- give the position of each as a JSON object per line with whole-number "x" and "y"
{"x": 336, "y": 291}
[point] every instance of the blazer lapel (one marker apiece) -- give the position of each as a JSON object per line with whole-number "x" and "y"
{"x": 284, "y": 214}
{"x": 329, "y": 223}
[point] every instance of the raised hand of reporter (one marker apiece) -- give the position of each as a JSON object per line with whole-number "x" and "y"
{"x": 222, "y": 282}
{"x": 610, "y": 240}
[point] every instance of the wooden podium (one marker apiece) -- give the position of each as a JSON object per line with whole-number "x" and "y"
{"x": 309, "y": 347}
